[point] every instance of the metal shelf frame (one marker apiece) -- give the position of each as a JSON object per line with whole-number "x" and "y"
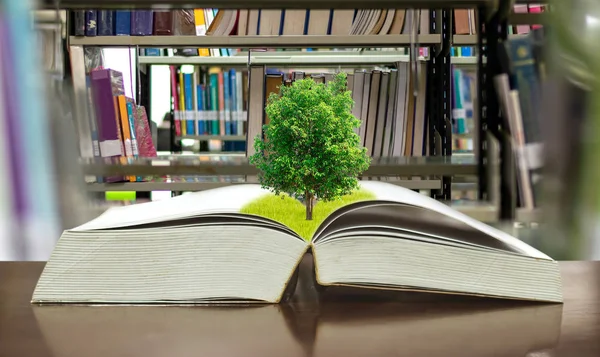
{"x": 304, "y": 41}
{"x": 427, "y": 184}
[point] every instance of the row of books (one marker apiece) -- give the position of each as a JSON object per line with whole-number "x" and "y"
{"x": 210, "y": 101}
{"x": 393, "y": 118}
{"x": 120, "y": 128}
{"x": 213, "y": 101}
{"x": 465, "y": 20}
{"x": 273, "y": 22}
{"x": 141, "y": 22}
{"x": 319, "y": 22}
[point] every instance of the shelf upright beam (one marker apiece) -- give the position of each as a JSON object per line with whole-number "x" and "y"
{"x": 439, "y": 96}
{"x": 493, "y": 31}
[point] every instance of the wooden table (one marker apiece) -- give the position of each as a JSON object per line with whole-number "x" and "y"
{"x": 336, "y": 324}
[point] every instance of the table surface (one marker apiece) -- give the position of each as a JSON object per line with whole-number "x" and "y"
{"x": 337, "y": 323}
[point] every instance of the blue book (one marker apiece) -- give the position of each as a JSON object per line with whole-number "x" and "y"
{"x": 525, "y": 79}
{"x": 227, "y": 98}
{"x": 152, "y": 52}
{"x": 122, "y": 22}
{"x": 106, "y": 23}
{"x": 233, "y": 102}
{"x": 91, "y": 23}
{"x": 200, "y": 105}
{"x": 189, "y": 103}
{"x": 141, "y": 22}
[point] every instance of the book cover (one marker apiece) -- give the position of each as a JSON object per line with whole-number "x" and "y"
{"x": 141, "y": 22}
{"x": 106, "y": 23}
{"x": 143, "y": 134}
{"x": 123, "y": 22}
{"x": 109, "y": 131}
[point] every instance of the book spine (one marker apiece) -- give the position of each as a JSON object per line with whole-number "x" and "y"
{"x": 181, "y": 96}
{"x": 214, "y": 103}
{"x": 163, "y": 23}
{"x": 195, "y": 113}
{"x": 121, "y": 104}
{"x": 200, "y": 89}
{"x": 226, "y": 103}
{"x": 106, "y": 23}
{"x": 233, "y": 102}
{"x": 132, "y": 132}
{"x": 141, "y": 22}
{"x": 79, "y": 23}
{"x": 123, "y": 22}
{"x": 152, "y": 52}
{"x": 91, "y": 22}
{"x": 189, "y": 103}
{"x": 143, "y": 134}
{"x": 109, "y": 136}
{"x": 221, "y": 102}
{"x": 176, "y": 114}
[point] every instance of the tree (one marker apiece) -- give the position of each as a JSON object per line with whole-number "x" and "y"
{"x": 310, "y": 146}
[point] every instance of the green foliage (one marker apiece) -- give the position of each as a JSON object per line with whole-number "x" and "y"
{"x": 310, "y": 146}
{"x": 290, "y": 212}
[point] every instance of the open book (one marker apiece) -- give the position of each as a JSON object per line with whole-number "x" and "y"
{"x": 199, "y": 248}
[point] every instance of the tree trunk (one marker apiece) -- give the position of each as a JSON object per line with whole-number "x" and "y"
{"x": 309, "y": 200}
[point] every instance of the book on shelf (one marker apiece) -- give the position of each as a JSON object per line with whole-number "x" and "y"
{"x": 464, "y": 84}
{"x": 231, "y": 22}
{"x": 119, "y": 127}
{"x": 210, "y": 101}
{"x": 519, "y": 95}
{"x": 221, "y": 246}
{"x": 392, "y": 118}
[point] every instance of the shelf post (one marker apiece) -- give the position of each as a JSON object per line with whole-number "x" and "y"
{"x": 490, "y": 36}
{"x": 439, "y": 97}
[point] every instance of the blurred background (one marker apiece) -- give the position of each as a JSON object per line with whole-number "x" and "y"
{"x": 114, "y": 106}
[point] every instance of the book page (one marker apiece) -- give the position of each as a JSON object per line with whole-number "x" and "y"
{"x": 228, "y": 199}
{"x": 389, "y": 192}
{"x": 410, "y": 219}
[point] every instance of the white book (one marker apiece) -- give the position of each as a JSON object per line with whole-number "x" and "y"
{"x": 201, "y": 247}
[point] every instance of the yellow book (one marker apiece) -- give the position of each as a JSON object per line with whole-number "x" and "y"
{"x": 182, "y": 104}
{"x": 201, "y": 30}
{"x": 124, "y": 121}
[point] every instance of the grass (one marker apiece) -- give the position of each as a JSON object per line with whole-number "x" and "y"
{"x": 292, "y": 213}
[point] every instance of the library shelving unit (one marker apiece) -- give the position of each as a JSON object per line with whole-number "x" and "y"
{"x": 441, "y": 165}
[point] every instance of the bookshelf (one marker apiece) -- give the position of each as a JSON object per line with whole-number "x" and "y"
{"x": 192, "y": 185}
{"x": 441, "y": 165}
{"x": 304, "y": 59}
{"x": 256, "y": 41}
{"x": 236, "y": 165}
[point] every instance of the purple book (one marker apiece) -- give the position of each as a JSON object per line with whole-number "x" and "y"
{"x": 106, "y": 84}
{"x": 141, "y": 22}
